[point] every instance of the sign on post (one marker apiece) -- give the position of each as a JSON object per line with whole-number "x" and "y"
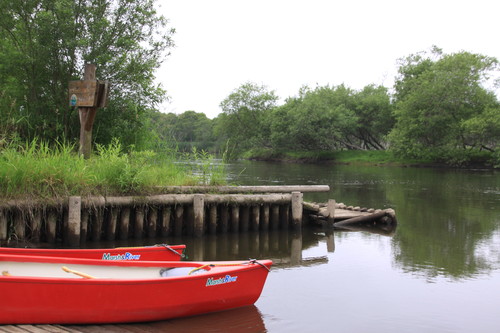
{"x": 83, "y": 93}
{"x": 87, "y": 95}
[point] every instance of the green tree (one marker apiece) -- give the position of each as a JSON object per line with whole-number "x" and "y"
{"x": 373, "y": 108}
{"x": 319, "y": 119}
{"x": 442, "y": 107}
{"x": 244, "y": 115}
{"x": 45, "y": 43}
{"x": 185, "y": 131}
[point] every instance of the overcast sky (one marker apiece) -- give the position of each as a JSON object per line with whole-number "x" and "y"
{"x": 285, "y": 44}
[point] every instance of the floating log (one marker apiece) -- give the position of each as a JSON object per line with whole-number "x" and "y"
{"x": 361, "y": 219}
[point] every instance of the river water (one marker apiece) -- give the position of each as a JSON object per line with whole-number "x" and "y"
{"x": 439, "y": 271}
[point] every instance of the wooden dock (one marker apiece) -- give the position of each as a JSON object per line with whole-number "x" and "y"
{"x": 193, "y": 210}
{"x": 334, "y": 214}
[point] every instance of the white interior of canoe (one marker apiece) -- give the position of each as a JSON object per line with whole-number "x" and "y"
{"x": 34, "y": 269}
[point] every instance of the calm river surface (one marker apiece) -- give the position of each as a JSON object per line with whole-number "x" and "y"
{"x": 438, "y": 272}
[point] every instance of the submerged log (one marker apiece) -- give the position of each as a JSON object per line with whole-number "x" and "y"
{"x": 362, "y": 219}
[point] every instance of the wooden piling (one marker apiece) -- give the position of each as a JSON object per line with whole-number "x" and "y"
{"x": 244, "y": 218}
{"x": 166, "y": 226}
{"x": 72, "y": 228}
{"x": 84, "y": 225}
{"x": 112, "y": 223}
{"x": 212, "y": 223}
{"x": 255, "y": 222}
{"x": 19, "y": 225}
{"x": 97, "y": 222}
{"x": 139, "y": 222}
{"x": 331, "y": 212}
{"x": 3, "y": 225}
{"x": 265, "y": 217}
{"x": 275, "y": 217}
{"x": 224, "y": 218}
{"x": 124, "y": 223}
{"x": 284, "y": 213}
{"x": 36, "y": 225}
{"x": 235, "y": 218}
{"x": 297, "y": 210}
{"x": 179, "y": 219}
{"x": 199, "y": 214}
{"x": 152, "y": 222}
{"x": 194, "y": 214}
{"x": 51, "y": 226}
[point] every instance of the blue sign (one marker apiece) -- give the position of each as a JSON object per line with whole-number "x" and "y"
{"x": 72, "y": 100}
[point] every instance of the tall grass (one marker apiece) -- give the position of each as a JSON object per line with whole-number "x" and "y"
{"x": 37, "y": 169}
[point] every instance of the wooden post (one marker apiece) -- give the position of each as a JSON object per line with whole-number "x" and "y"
{"x": 36, "y": 225}
{"x": 245, "y": 218}
{"x": 84, "y": 226}
{"x": 139, "y": 222}
{"x": 19, "y": 225}
{"x": 265, "y": 217}
{"x": 152, "y": 222}
{"x": 72, "y": 230}
{"x": 87, "y": 116}
{"x": 199, "y": 214}
{"x": 297, "y": 200}
{"x": 3, "y": 226}
{"x": 224, "y": 218}
{"x": 189, "y": 220}
{"x": 51, "y": 226}
{"x": 97, "y": 224}
{"x": 124, "y": 223}
{"x": 212, "y": 224}
{"x": 255, "y": 218}
{"x": 235, "y": 218}
{"x": 275, "y": 217}
{"x": 284, "y": 216}
{"x": 166, "y": 227}
{"x": 112, "y": 222}
{"x": 179, "y": 217}
{"x": 331, "y": 212}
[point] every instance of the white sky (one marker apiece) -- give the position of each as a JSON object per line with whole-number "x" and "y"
{"x": 285, "y": 44}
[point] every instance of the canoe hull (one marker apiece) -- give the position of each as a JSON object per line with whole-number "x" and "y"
{"x": 145, "y": 253}
{"x": 33, "y": 300}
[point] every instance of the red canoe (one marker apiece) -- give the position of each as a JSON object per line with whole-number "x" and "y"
{"x": 158, "y": 252}
{"x": 48, "y": 290}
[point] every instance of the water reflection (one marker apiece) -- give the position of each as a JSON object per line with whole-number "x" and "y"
{"x": 286, "y": 248}
{"x": 245, "y": 319}
{"x": 449, "y": 218}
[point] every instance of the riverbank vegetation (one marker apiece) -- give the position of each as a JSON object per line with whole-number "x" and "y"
{"x": 442, "y": 108}
{"x": 43, "y": 171}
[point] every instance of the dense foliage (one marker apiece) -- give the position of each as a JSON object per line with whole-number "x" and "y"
{"x": 45, "y": 43}
{"x": 443, "y": 110}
